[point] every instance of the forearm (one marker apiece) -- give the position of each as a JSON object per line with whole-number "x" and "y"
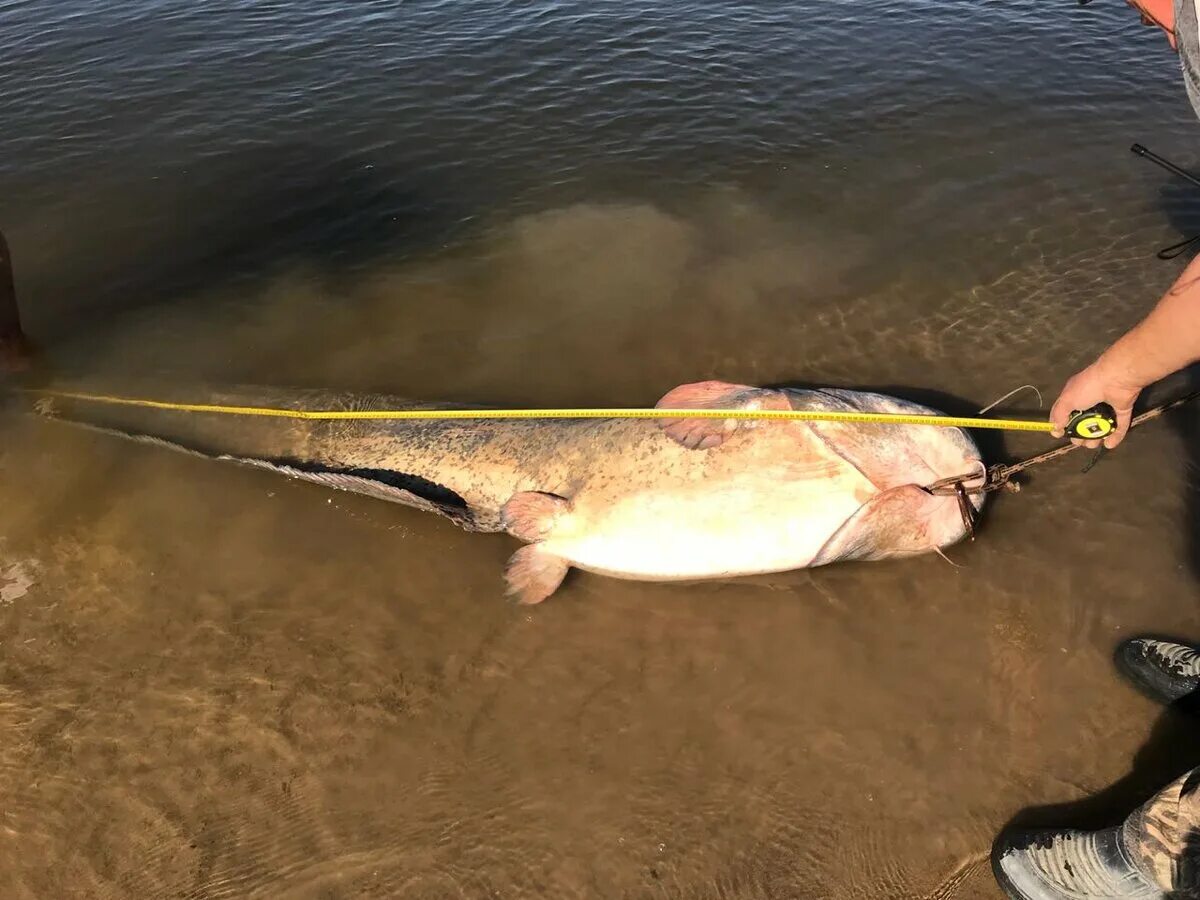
{"x": 1167, "y": 340}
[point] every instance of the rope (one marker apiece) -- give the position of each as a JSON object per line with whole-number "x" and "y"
{"x": 1000, "y": 476}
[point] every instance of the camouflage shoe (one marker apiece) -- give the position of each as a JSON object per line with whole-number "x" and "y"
{"x": 1162, "y": 670}
{"x": 1152, "y": 856}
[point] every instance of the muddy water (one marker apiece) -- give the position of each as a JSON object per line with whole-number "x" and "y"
{"x": 216, "y": 684}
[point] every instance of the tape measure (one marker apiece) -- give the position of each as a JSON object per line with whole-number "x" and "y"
{"x": 1092, "y": 424}
{"x": 1089, "y": 424}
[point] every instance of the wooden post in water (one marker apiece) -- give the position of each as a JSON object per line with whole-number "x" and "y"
{"x": 14, "y": 348}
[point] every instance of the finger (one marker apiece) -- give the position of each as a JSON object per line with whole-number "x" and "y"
{"x": 1058, "y": 423}
{"x": 1060, "y": 412}
{"x": 1124, "y": 418}
{"x": 1058, "y": 415}
{"x": 1114, "y": 440}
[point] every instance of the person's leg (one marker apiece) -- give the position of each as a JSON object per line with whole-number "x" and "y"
{"x": 1155, "y": 852}
{"x": 1152, "y": 855}
{"x": 14, "y": 348}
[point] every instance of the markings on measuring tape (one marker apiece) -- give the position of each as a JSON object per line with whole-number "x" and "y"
{"x": 598, "y": 413}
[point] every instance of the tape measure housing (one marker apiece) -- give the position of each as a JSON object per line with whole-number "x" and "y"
{"x": 1092, "y": 424}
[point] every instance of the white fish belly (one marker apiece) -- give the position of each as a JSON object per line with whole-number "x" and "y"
{"x": 708, "y": 534}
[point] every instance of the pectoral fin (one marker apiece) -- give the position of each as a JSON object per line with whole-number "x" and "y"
{"x": 532, "y": 515}
{"x": 703, "y": 434}
{"x": 533, "y": 574}
{"x": 893, "y": 523}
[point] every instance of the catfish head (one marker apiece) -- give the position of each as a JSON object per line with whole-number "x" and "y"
{"x": 897, "y": 517}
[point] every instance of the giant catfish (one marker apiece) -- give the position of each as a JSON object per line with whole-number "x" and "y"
{"x": 646, "y": 499}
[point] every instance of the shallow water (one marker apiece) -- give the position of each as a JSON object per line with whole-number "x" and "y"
{"x": 215, "y": 683}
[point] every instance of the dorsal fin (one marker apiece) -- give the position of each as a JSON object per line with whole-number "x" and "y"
{"x": 704, "y": 434}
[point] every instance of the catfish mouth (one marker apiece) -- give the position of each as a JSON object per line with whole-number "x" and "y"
{"x": 954, "y": 509}
{"x": 955, "y": 465}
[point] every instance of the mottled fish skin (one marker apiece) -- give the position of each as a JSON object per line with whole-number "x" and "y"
{"x": 464, "y": 469}
{"x": 636, "y": 504}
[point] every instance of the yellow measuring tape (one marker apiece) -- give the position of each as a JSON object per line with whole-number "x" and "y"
{"x": 473, "y": 414}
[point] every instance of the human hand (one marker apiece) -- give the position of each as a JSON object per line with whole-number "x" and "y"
{"x": 1098, "y": 383}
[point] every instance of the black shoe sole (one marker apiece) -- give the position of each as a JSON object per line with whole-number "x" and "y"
{"x": 1157, "y": 689}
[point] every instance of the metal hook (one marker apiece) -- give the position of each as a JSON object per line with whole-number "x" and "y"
{"x": 966, "y": 509}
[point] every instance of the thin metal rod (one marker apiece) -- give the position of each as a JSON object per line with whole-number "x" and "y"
{"x": 1164, "y": 163}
